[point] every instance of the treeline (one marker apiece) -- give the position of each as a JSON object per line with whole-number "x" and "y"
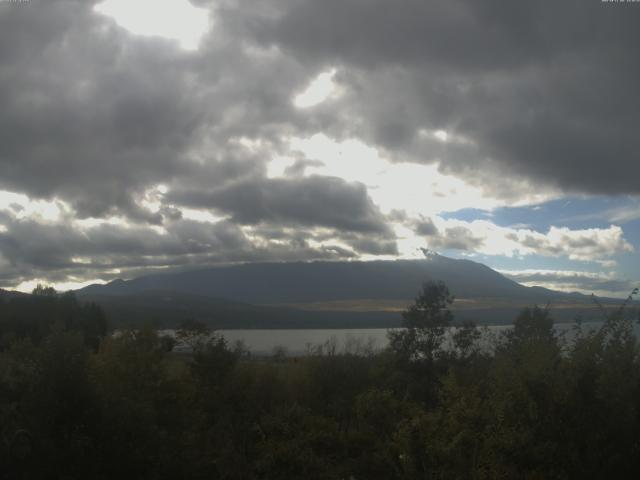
{"x": 527, "y": 403}
{"x": 37, "y": 316}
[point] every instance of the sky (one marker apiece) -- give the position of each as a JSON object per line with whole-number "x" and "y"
{"x": 141, "y": 136}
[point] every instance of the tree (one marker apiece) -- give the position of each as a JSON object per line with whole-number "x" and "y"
{"x": 44, "y": 291}
{"x": 425, "y": 324}
{"x": 533, "y": 324}
{"x": 193, "y": 334}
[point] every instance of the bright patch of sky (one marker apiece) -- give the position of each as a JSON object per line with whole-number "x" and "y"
{"x": 28, "y": 286}
{"x": 200, "y": 215}
{"x": 22, "y": 206}
{"x": 415, "y": 189}
{"x": 320, "y": 89}
{"x": 174, "y": 19}
{"x": 91, "y": 222}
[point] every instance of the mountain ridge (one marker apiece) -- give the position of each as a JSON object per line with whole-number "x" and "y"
{"x": 323, "y": 294}
{"x": 277, "y": 283}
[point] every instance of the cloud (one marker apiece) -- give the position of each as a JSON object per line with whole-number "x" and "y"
{"x": 590, "y": 244}
{"x": 422, "y": 107}
{"x": 309, "y": 201}
{"x": 456, "y": 238}
{"x": 369, "y": 245}
{"x": 425, "y": 227}
{"x": 573, "y": 281}
{"x": 175, "y": 19}
{"x": 485, "y": 237}
{"x": 89, "y": 116}
{"x": 545, "y": 94}
{"x": 93, "y": 115}
{"x": 65, "y": 250}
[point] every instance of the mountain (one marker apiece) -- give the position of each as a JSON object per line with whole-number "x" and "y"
{"x": 322, "y": 294}
{"x": 9, "y": 294}
{"x": 280, "y": 283}
{"x": 166, "y": 309}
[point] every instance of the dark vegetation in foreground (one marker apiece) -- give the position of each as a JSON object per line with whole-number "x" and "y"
{"x": 76, "y": 403}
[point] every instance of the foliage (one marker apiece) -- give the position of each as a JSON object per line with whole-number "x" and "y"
{"x": 39, "y": 315}
{"x": 441, "y": 402}
{"x": 424, "y": 323}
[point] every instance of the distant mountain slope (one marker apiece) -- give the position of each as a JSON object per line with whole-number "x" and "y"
{"x": 278, "y": 283}
{"x": 325, "y": 295}
{"x": 8, "y": 294}
{"x": 165, "y": 309}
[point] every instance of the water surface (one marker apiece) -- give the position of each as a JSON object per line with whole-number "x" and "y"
{"x": 302, "y": 341}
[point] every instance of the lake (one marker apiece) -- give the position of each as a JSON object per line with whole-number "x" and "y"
{"x": 302, "y": 341}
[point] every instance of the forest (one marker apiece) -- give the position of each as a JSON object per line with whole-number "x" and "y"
{"x": 441, "y": 402}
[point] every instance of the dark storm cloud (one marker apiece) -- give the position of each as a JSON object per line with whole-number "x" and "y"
{"x": 95, "y": 117}
{"x": 62, "y": 251}
{"x": 376, "y": 32}
{"x": 88, "y": 116}
{"x": 549, "y": 92}
{"x": 311, "y": 201}
{"x": 55, "y": 245}
{"x": 92, "y": 114}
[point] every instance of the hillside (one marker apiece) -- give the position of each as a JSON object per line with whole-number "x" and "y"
{"x": 165, "y": 309}
{"x": 9, "y": 294}
{"x": 323, "y": 294}
{"x": 278, "y": 283}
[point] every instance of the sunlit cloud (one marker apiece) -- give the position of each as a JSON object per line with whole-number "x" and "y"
{"x": 174, "y": 19}
{"x": 319, "y": 90}
{"x": 444, "y": 136}
{"x": 413, "y": 188}
{"x": 484, "y": 237}
{"x": 205, "y": 216}
{"x": 91, "y": 222}
{"x": 22, "y": 206}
